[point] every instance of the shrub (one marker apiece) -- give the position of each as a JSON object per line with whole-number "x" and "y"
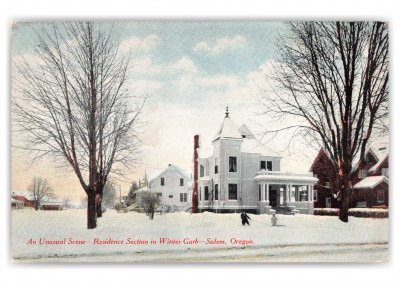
{"x": 356, "y": 212}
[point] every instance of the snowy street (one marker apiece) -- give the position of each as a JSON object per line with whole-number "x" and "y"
{"x": 61, "y": 236}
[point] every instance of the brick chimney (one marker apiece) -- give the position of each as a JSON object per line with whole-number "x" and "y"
{"x": 195, "y": 174}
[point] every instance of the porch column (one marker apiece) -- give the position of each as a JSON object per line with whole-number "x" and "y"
{"x": 288, "y": 192}
{"x": 262, "y": 192}
{"x": 266, "y": 191}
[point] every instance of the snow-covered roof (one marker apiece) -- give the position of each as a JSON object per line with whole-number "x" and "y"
{"x": 245, "y": 131}
{"x": 228, "y": 129}
{"x": 26, "y": 194}
{"x": 254, "y": 146}
{"x": 155, "y": 173}
{"x": 15, "y": 201}
{"x": 371, "y": 182}
{"x": 381, "y": 155}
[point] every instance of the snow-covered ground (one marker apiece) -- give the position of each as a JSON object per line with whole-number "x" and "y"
{"x": 61, "y": 236}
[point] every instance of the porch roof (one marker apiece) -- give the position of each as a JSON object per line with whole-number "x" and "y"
{"x": 280, "y": 177}
{"x": 371, "y": 182}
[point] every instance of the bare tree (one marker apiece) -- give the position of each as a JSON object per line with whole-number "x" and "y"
{"x": 150, "y": 203}
{"x": 109, "y": 195}
{"x": 74, "y": 105}
{"x": 40, "y": 189}
{"x": 331, "y": 87}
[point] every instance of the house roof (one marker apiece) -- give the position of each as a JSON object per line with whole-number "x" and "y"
{"x": 15, "y": 201}
{"x": 152, "y": 173}
{"x": 227, "y": 129}
{"x": 382, "y": 156}
{"x": 253, "y": 146}
{"x": 371, "y": 182}
{"x": 244, "y": 130}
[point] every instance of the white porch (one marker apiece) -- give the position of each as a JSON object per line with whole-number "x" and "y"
{"x": 278, "y": 189}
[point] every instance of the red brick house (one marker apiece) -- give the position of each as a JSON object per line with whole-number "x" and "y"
{"x": 327, "y": 186}
{"x": 370, "y": 181}
{"x": 26, "y": 199}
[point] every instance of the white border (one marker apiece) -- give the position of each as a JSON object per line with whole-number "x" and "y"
{"x": 21, "y": 10}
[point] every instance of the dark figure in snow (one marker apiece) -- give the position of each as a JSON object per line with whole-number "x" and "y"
{"x": 245, "y": 218}
{"x": 274, "y": 220}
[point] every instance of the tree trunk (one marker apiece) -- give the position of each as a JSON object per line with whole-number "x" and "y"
{"x": 344, "y": 205}
{"x": 91, "y": 211}
{"x": 99, "y": 198}
{"x": 36, "y": 205}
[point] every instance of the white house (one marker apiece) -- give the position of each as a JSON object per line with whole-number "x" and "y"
{"x": 240, "y": 173}
{"x": 172, "y": 185}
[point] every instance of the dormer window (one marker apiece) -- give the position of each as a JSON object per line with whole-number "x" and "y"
{"x": 362, "y": 173}
{"x": 232, "y": 164}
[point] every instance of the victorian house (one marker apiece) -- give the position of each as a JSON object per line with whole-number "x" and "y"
{"x": 241, "y": 174}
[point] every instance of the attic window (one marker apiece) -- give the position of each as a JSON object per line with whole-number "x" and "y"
{"x": 181, "y": 182}
{"x": 162, "y": 181}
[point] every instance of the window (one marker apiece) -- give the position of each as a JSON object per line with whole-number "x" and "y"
{"x": 232, "y": 188}
{"x": 216, "y": 166}
{"x": 263, "y": 165}
{"x": 181, "y": 182}
{"x": 232, "y": 164}
{"x": 183, "y": 197}
{"x": 159, "y": 194}
{"x": 315, "y": 195}
{"x": 206, "y": 193}
{"x": 328, "y": 184}
{"x": 200, "y": 193}
{"x": 380, "y": 196}
{"x": 362, "y": 173}
{"x": 170, "y": 196}
{"x": 244, "y": 136}
{"x": 385, "y": 172}
{"x": 201, "y": 171}
{"x": 162, "y": 181}
{"x": 216, "y": 192}
{"x": 269, "y": 165}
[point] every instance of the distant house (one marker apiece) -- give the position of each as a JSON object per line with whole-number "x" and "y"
{"x": 25, "y": 197}
{"x": 370, "y": 180}
{"x": 16, "y": 204}
{"x": 51, "y": 205}
{"x": 172, "y": 185}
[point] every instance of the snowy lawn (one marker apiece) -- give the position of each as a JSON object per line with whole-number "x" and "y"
{"x": 61, "y": 236}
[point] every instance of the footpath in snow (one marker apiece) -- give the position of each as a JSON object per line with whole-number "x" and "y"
{"x": 61, "y": 236}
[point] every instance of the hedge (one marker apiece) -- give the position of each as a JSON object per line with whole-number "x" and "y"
{"x": 356, "y": 212}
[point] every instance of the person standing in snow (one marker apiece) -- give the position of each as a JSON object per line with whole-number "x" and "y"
{"x": 245, "y": 218}
{"x": 274, "y": 220}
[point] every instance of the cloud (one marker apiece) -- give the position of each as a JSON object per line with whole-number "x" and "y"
{"x": 221, "y": 45}
{"x": 184, "y": 65}
{"x": 145, "y": 66}
{"x": 135, "y": 43}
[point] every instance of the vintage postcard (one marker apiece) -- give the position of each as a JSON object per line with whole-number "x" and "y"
{"x": 199, "y": 141}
